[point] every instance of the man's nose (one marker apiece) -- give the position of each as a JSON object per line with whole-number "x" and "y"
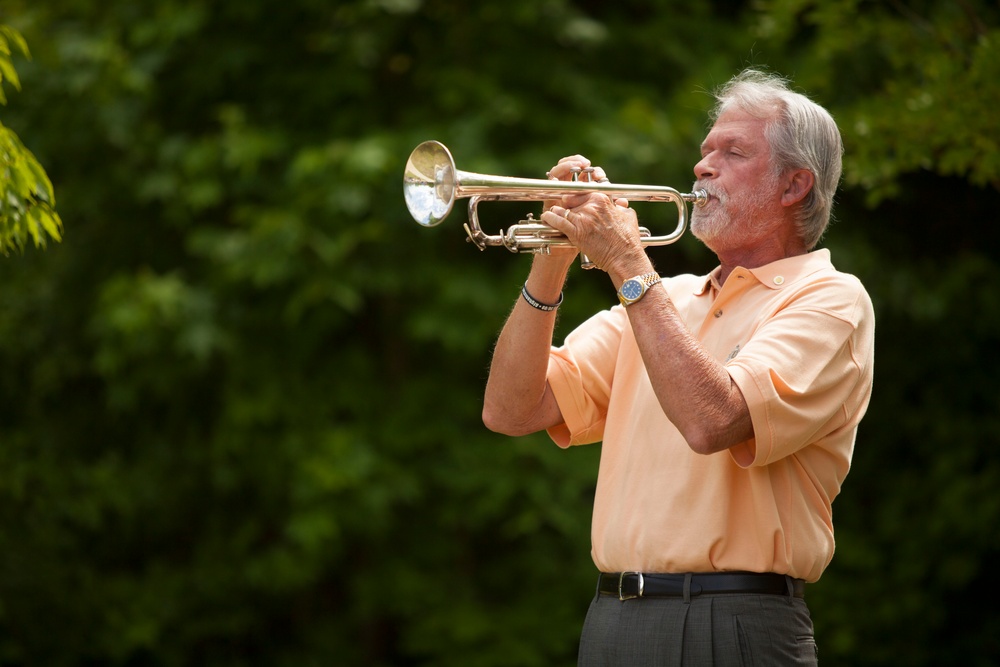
{"x": 704, "y": 168}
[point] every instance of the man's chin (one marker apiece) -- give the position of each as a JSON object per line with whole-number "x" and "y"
{"x": 712, "y": 235}
{"x": 704, "y": 230}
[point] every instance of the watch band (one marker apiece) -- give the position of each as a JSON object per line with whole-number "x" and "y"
{"x": 644, "y": 281}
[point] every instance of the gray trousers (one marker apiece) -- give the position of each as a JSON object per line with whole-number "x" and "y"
{"x": 708, "y": 631}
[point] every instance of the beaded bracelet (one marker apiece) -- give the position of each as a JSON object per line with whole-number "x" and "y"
{"x": 534, "y": 303}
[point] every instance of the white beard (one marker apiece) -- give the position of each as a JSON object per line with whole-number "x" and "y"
{"x": 731, "y": 219}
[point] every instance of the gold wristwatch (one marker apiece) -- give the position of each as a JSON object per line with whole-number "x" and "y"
{"x": 634, "y": 289}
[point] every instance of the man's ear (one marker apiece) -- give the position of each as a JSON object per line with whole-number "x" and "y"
{"x": 798, "y": 185}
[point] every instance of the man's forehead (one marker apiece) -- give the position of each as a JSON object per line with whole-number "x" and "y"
{"x": 734, "y": 125}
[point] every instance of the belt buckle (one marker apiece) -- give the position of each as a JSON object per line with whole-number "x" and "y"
{"x": 621, "y": 579}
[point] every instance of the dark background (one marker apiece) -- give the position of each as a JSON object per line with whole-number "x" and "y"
{"x": 240, "y": 401}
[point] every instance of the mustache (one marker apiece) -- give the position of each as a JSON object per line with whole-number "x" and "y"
{"x": 710, "y": 190}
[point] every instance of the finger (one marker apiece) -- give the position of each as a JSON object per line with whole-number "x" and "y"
{"x": 574, "y": 200}
{"x": 566, "y": 166}
{"x": 621, "y": 201}
{"x": 575, "y": 159}
{"x": 561, "y": 213}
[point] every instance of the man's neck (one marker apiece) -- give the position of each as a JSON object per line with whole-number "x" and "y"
{"x": 758, "y": 255}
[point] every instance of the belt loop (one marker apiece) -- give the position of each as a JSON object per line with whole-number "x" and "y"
{"x": 687, "y": 588}
{"x": 790, "y": 583}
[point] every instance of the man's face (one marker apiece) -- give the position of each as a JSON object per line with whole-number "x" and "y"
{"x": 736, "y": 171}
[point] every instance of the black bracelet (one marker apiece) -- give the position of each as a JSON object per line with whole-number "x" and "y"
{"x": 534, "y": 303}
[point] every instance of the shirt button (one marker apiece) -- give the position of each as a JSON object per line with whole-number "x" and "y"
{"x": 778, "y": 280}
{"x": 718, "y": 313}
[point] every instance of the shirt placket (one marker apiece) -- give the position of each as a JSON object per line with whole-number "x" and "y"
{"x": 716, "y": 330}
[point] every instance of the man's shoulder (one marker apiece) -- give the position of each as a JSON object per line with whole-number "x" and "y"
{"x": 817, "y": 267}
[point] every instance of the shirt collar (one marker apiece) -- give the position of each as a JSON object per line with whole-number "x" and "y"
{"x": 777, "y": 274}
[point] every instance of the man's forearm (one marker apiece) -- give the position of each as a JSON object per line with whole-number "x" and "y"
{"x": 694, "y": 390}
{"x": 518, "y": 400}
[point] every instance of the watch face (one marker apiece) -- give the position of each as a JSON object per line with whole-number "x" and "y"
{"x": 631, "y": 289}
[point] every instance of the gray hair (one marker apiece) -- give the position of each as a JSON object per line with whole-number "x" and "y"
{"x": 801, "y": 134}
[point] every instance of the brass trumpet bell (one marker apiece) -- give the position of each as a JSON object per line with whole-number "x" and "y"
{"x": 429, "y": 183}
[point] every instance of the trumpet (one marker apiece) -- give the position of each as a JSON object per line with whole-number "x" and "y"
{"x": 431, "y": 184}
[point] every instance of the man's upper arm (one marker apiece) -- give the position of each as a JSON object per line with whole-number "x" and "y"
{"x": 806, "y": 373}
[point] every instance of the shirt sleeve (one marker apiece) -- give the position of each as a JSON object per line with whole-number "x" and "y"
{"x": 580, "y": 375}
{"x": 806, "y": 372}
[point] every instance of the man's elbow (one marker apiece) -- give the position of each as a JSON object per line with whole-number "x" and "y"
{"x": 701, "y": 444}
{"x": 492, "y": 421}
{"x": 507, "y": 422}
{"x": 712, "y": 441}
{"x": 499, "y": 421}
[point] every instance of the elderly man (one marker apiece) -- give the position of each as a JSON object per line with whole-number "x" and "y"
{"x": 727, "y": 404}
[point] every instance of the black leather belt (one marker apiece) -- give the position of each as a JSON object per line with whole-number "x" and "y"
{"x": 630, "y": 585}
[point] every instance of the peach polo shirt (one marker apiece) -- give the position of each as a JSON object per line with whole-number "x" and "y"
{"x": 797, "y": 337}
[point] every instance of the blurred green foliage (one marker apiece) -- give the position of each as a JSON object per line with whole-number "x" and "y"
{"x": 26, "y": 197}
{"x": 239, "y": 418}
